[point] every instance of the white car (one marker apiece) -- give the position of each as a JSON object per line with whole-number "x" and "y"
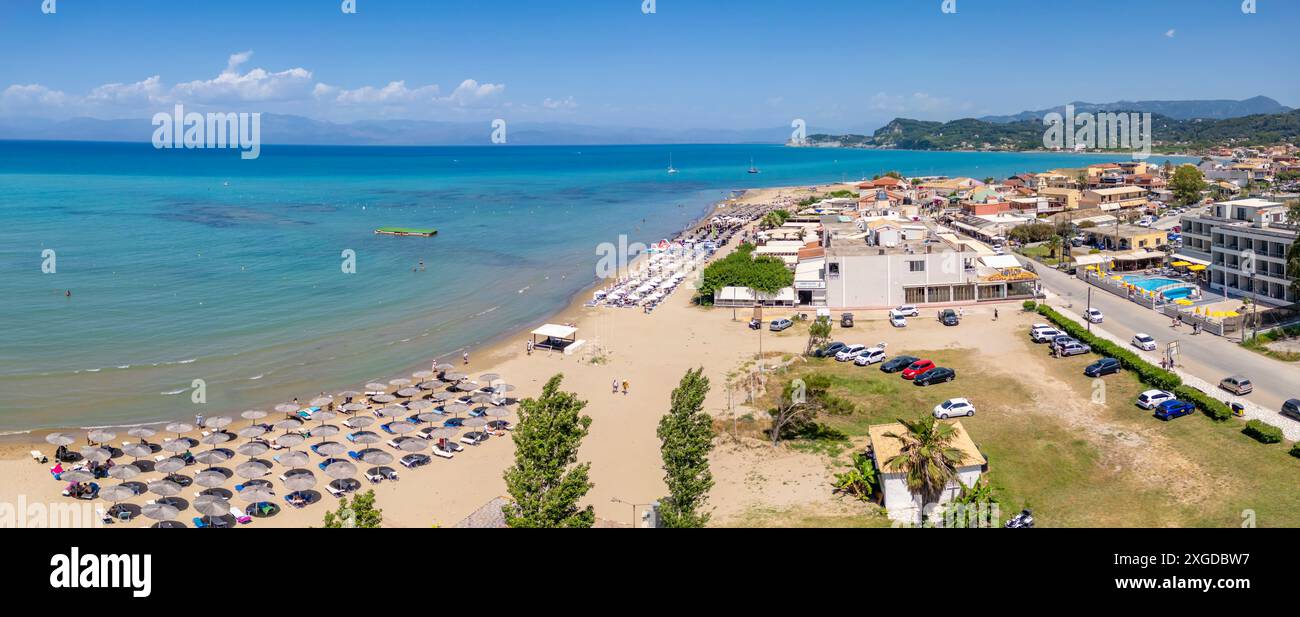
{"x": 954, "y": 407}
{"x": 1045, "y": 335}
{"x": 1041, "y": 326}
{"x": 897, "y": 319}
{"x": 1152, "y": 398}
{"x": 1144, "y": 342}
{"x": 1094, "y": 315}
{"x": 850, "y": 352}
{"x": 907, "y": 310}
{"x": 870, "y": 356}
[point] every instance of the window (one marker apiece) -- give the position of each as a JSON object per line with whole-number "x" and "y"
{"x": 914, "y": 295}
{"x": 916, "y": 265}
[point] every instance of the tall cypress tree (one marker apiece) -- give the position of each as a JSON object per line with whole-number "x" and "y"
{"x": 686, "y": 435}
{"x": 547, "y": 482}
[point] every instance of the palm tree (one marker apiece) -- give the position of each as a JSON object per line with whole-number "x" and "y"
{"x": 927, "y": 458}
{"x": 1054, "y": 246}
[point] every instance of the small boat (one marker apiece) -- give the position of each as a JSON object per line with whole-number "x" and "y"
{"x": 752, "y": 169}
{"x": 671, "y": 170}
{"x": 406, "y": 231}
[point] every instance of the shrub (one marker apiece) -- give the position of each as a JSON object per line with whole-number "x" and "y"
{"x": 1029, "y": 305}
{"x": 1210, "y": 406}
{"x": 1295, "y": 449}
{"x": 1263, "y": 433}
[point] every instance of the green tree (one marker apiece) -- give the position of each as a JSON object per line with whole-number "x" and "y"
{"x": 797, "y": 408}
{"x": 547, "y": 482}
{"x": 819, "y": 333}
{"x": 362, "y": 513}
{"x": 927, "y": 458}
{"x": 1054, "y": 246}
{"x": 860, "y": 481}
{"x": 1187, "y": 184}
{"x": 686, "y": 438}
{"x": 764, "y": 273}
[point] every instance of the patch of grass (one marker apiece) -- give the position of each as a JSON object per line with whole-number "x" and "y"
{"x": 1259, "y": 344}
{"x": 800, "y": 518}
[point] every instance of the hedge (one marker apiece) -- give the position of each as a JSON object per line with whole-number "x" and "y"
{"x": 1263, "y": 433}
{"x": 1210, "y": 406}
{"x": 1148, "y": 373}
{"x": 1295, "y": 449}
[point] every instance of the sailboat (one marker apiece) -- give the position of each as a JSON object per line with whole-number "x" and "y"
{"x": 671, "y": 170}
{"x": 752, "y": 169}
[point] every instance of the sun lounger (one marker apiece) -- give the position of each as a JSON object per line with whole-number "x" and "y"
{"x": 374, "y": 477}
{"x": 443, "y": 453}
{"x": 103, "y": 516}
{"x": 354, "y": 455}
{"x": 198, "y": 522}
{"x": 348, "y": 423}
{"x": 160, "y": 458}
{"x": 240, "y": 516}
{"x": 300, "y": 503}
{"x": 333, "y": 491}
{"x": 38, "y": 457}
{"x": 393, "y": 444}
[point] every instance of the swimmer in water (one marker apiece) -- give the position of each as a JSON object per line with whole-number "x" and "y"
{"x": 68, "y": 293}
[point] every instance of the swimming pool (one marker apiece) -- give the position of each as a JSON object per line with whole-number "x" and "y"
{"x": 1154, "y": 283}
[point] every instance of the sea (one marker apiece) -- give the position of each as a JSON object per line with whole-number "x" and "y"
{"x": 133, "y": 279}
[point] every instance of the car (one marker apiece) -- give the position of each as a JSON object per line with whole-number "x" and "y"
{"x": 935, "y": 375}
{"x": 907, "y": 310}
{"x": 1063, "y": 339}
{"x": 1102, "y": 367}
{"x": 954, "y": 407}
{"x": 917, "y": 369}
{"x": 1169, "y": 410}
{"x": 1074, "y": 348}
{"x": 778, "y": 325}
{"x": 869, "y": 356}
{"x": 1237, "y": 384}
{"x": 897, "y": 363}
{"x": 1041, "y": 326}
{"x": 830, "y": 350}
{"x": 1144, "y": 342}
{"x": 897, "y": 319}
{"x": 1044, "y": 336}
{"x": 1291, "y": 408}
{"x": 850, "y": 352}
{"x": 949, "y": 318}
{"x": 1094, "y": 315}
{"x": 1151, "y": 398}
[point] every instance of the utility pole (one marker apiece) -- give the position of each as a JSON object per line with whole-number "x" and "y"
{"x": 1089, "y": 311}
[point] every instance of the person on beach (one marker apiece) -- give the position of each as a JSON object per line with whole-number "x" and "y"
{"x": 624, "y": 387}
{"x": 614, "y": 389}
{"x": 995, "y": 314}
{"x": 465, "y": 356}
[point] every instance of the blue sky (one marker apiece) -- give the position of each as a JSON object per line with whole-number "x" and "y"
{"x": 693, "y": 63}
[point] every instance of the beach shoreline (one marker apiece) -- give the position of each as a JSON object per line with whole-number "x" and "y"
{"x": 19, "y": 442}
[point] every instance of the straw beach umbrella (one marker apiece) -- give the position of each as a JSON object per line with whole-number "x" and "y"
{"x": 366, "y": 438}
{"x": 160, "y": 511}
{"x": 96, "y": 454}
{"x": 136, "y": 450}
{"x": 375, "y": 386}
{"x": 169, "y": 465}
{"x": 408, "y": 392}
{"x": 331, "y": 448}
{"x": 325, "y": 430}
{"x": 375, "y": 456}
{"x": 422, "y": 375}
{"x": 399, "y": 382}
{"x": 489, "y": 377}
{"x": 142, "y": 432}
{"x": 179, "y": 427}
{"x": 100, "y": 436}
{"x": 212, "y": 457}
{"x": 253, "y": 414}
{"x": 383, "y": 398}
{"x": 253, "y": 448}
{"x": 252, "y": 431}
{"x": 123, "y": 472}
{"x": 76, "y": 475}
{"x": 362, "y": 421}
{"x": 252, "y": 470}
{"x": 293, "y": 459}
{"x": 288, "y": 408}
{"x": 59, "y": 439}
{"x": 299, "y": 479}
{"x": 218, "y": 422}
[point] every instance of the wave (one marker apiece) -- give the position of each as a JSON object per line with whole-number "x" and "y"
{"x": 173, "y": 392}
{"x": 257, "y": 377}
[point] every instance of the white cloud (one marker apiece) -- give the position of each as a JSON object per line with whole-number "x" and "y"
{"x": 470, "y": 93}
{"x": 256, "y": 85}
{"x": 564, "y": 103}
{"x": 1170, "y": 33}
{"x": 291, "y": 90}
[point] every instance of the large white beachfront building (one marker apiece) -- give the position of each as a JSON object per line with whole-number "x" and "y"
{"x": 1229, "y": 235}
{"x": 933, "y": 267}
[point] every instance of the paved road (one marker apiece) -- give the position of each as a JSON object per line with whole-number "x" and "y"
{"x": 1206, "y": 356}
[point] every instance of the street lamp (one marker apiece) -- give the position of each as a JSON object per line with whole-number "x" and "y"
{"x": 649, "y": 517}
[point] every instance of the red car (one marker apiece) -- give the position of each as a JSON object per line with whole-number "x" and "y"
{"x": 917, "y": 368}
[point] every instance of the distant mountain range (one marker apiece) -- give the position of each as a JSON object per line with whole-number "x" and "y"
{"x": 1177, "y": 122}
{"x": 1177, "y": 110}
{"x": 290, "y": 129}
{"x": 1168, "y": 134}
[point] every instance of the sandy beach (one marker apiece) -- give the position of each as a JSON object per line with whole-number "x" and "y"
{"x": 650, "y": 351}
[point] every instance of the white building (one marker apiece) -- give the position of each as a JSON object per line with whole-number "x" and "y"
{"x": 1243, "y": 240}
{"x": 904, "y": 505}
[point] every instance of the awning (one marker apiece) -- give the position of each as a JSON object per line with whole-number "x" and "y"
{"x": 1194, "y": 260}
{"x": 556, "y": 331}
{"x": 1000, "y": 262}
{"x": 1090, "y": 260}
{"x": 1196, "y": 268}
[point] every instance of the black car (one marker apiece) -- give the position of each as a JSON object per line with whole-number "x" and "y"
{"x": 1104, "y": 366}
{"x": 949, "y": 318}
{"x": 897, "y": 363}
{"x": 935, "y": 375}
{"x": 829, "y": 351}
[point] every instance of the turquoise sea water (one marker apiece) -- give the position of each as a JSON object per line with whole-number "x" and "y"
{"x": 191, "y": 264}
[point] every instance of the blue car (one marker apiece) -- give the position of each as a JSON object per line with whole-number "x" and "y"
{"x": 1169, "y": 410}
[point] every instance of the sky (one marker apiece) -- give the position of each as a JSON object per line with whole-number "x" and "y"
{"x": 736, "y": 64}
